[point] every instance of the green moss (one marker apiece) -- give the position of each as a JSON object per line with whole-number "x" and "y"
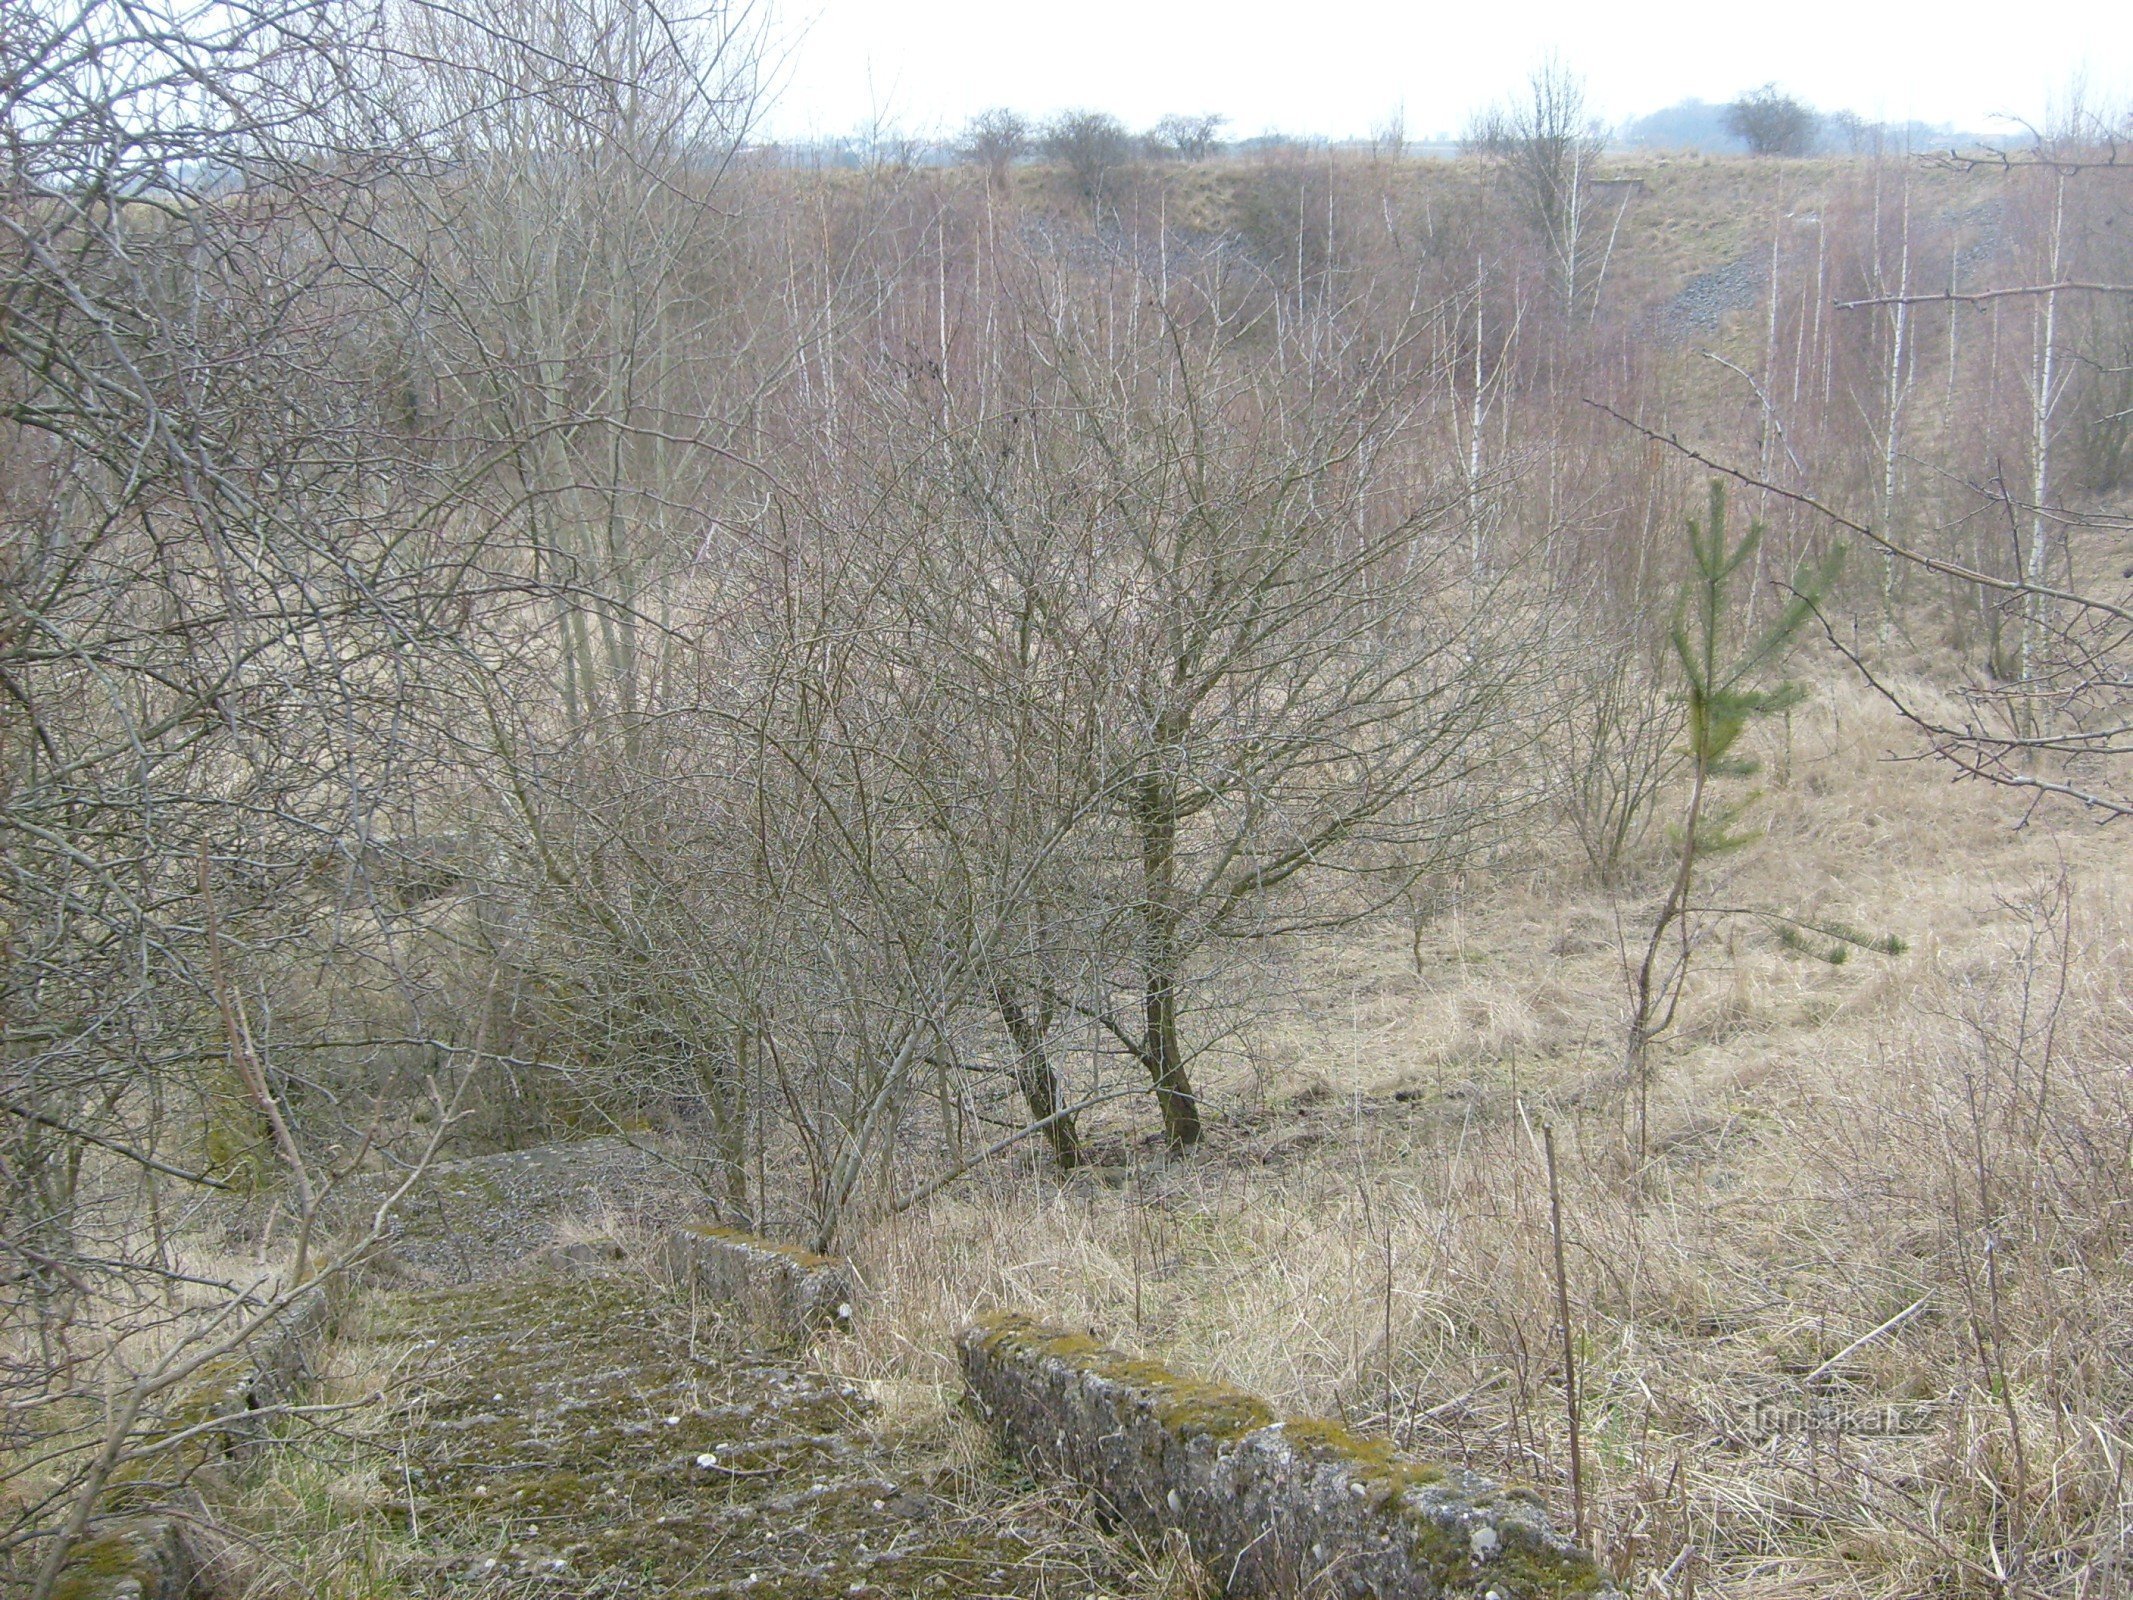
{"x": 214, "y": 1387}
{"x": 750, "y": 1241}
{"x": 1521, "y": 1570}
{"x": 1440, "y": 1547}
{"x": 1373, "y": 1461}
{"x": 98, "y": 1566}
{"x": 94, "y": 1565}
{"x": 1187, "y": 1406}
{"x": 586, "y": 1420}
{"x": 1525, "y": 1567}
{"x": 1211, "y": 1409}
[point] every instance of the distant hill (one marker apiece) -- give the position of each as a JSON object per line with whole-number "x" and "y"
{"x": 1686, "y": 125}
{"x": 1700, "y": 125}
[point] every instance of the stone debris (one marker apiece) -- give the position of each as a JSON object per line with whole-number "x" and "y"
{"x": 488, "y": 1216}
{"x": 1707, "y": 299}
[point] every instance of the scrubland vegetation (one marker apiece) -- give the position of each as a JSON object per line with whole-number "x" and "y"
{"x": 1133, "y": 736}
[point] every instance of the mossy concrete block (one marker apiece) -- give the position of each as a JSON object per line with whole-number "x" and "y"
{"x": 777, "y": 1290}
{"x": 1270, "y": 1506}
{"x": 143, "y": 1559}
{"x": 252, "y": 1386}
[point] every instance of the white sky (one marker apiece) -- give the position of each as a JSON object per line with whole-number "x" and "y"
{"x": 1338, "y": 68}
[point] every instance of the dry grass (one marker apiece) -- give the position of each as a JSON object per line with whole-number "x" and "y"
{"x": 1934, "y": 1146}
{"x": 1899, "y": 1181}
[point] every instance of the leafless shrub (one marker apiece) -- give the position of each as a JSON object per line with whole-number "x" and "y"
{"x": 1771, "y": 123}
{"x": 996, "y": 140}
{"x": 1612, "y": 744}
{"x": 1093, "y": 146}
{"x": 249, "y": 604}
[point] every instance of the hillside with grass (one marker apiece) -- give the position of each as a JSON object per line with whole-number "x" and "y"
{"x": 1475, "y": 804}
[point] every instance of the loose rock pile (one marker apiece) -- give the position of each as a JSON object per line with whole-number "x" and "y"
{"x": 486, "y": 1216}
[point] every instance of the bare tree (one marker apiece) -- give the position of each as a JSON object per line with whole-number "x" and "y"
{"x": 996, "y": 140}
{"x": 1092, "y": 145}
{"x": 564, "y": 284}
{"x": 1544, "y": 147}
{"x": 1258, "y": 647}
{"x": 1186, "y": 138}
{"x": 1771, "y": 123}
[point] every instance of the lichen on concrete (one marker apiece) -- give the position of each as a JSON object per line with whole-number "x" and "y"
{"x": 1270, "y": 1507}
{"x": 143, "y": 1558}
{"x": 591, "y": 1434}
{"x": 778, "y": 1292}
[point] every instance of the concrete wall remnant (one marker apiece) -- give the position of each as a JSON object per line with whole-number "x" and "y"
{"x": 777, "y": 1290}
{"x": 142, "y": 1558}
{"x": 1270, "y": 1506}
{"x": 268, "y": 1375}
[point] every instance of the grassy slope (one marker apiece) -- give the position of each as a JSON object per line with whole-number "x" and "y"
{"x": 1368, "y": 1234}
{"x": 1942, "y": 1130}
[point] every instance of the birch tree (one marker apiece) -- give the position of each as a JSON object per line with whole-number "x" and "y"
{"x": 1544, "y": 148}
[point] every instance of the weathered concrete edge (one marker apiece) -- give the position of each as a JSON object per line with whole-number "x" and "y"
{"x": 273, "y": 1368}
{"x": 1270, "y": 1506}
{"x": 782, "y": 1289}
{"x": 150, "y": 1557}
{"x": 142, "y": 1558}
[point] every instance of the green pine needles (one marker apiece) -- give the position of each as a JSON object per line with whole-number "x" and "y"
{"x": 1730, "y": 684}
{"x": 1725, "y": 695}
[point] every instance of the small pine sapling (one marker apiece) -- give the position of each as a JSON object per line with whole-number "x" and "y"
{"x": 1725, "y": 689}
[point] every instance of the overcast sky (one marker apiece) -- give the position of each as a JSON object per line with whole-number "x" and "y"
{"x": 1340, "y": 68}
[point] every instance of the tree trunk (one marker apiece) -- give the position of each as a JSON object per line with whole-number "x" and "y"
{"x": 1166, "y": 1065}
{"x": 725, "y": 1089}
{"x": 1156, "y": 816}
{"x": 1033, "y": 1071}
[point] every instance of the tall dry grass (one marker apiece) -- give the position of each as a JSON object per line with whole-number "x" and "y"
{"x": 1898, "y": 1182}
